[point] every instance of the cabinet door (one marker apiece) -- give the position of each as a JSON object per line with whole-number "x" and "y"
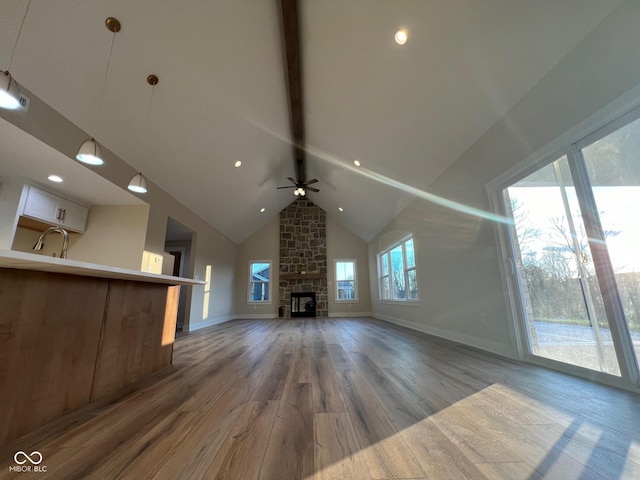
{"x": 54, "y": 210}
{"x": 74, "y": 216}
{"x": 42, "y": 206}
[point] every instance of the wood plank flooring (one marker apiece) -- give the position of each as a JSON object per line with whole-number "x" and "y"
{"x": 342, "y": 399}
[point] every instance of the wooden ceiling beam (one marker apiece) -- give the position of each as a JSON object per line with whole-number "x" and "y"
{"x": 291, "y": 33}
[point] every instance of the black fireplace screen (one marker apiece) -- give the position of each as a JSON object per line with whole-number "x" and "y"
{"x": 303, "y": 304}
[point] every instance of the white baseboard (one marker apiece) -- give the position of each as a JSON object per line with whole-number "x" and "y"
{"x": 480, "y": 343}
{"x": 209, "y": 322}
{"x": 349, "y": 314}
{"x": 251, "y": 316}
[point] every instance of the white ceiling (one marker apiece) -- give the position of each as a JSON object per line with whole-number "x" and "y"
{"x": 22, "y": 156}
{"x": 406, "y": 112}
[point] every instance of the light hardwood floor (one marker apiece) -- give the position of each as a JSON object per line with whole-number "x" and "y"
{"x": 342, "y": 399}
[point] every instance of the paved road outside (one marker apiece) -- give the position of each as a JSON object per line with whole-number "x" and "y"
{"x": 551, "y": 334}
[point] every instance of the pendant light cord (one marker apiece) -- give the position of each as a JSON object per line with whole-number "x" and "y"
{"x": 104, "y": 82}
{"x": 15, "y": 45}
{"x": 153, "y": 88}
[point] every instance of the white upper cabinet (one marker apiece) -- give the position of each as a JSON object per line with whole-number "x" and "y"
{"x": 54, "y": 210}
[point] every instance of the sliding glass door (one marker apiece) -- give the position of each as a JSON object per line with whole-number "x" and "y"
{"x": 565, "y": 319}
{"x": 575, "y": 245}
{"x": 613, "y": 167}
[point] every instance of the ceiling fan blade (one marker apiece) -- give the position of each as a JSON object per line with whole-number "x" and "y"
{"x": 311, "y": 182}
{"x": 311, "y": 189}
{"x": 292, "y": 186}
{"x": 292, "y": 181}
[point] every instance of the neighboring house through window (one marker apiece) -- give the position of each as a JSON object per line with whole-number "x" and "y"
{"x": 260, "y": 281}
{"x": 346, "y": 281}
{"x": 397, "y": 272}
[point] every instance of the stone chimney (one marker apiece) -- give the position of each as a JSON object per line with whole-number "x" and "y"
{"x": 303, "y": 254}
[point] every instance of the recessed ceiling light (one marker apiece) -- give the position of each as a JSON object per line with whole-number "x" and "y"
{"x": 341, "y": 209}
{"x": 237, "y": 164}
{"x": 56, "y": 178}
{"x": 356, "y": 163}
{"x": 401, "y": 37}
{"x": 262, "y": 210}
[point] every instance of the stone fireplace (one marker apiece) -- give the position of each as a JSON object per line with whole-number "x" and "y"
{"x": 303, "y": 255}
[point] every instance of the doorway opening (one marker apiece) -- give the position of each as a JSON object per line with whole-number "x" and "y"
{"x": 178, "y": 244}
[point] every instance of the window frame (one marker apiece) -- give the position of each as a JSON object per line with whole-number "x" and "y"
{"x": 356, "y": 297}
{"x": 388, "y": 278}
{"x": 251, "y": 283}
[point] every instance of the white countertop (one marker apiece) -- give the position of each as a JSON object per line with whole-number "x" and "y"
{"x": 31, "y": 261}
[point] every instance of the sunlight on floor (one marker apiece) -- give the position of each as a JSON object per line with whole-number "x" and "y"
{"x": 477, "y": 436}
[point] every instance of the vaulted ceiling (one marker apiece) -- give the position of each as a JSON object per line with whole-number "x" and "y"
{"x": 405, "y": 112}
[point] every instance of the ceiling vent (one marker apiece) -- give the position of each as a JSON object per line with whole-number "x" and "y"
{"x": 25, "y": 102}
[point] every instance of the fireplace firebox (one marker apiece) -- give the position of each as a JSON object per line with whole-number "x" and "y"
{"x": 303, "y": 304}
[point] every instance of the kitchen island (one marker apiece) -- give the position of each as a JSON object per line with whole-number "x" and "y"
{"x": 74, "y": 332}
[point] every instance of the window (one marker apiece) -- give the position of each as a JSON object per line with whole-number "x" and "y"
{"x": 346, "y": 286}
{"x": 397, "y": 272}
{"x": 259, "y": 281}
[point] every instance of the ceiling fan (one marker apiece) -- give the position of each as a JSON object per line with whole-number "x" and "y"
{"x": 301, "y": 186}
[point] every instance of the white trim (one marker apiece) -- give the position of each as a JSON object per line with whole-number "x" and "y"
{"x": 481, "y": 343}
{"x": 349, "y": 314}
{"x": 192, "y": 327}
{"x": 386, "y": 252}
{"x": 404, "y": 303}
{"x": 507, "y": 273}
{"x": 269, "y": 300}
{"x": 588, "y": 374}
{"x": 252, "y": 316}
{"x": 355, "y": 280}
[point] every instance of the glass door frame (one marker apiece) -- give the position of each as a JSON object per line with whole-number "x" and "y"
{"x": 507, "y": 243}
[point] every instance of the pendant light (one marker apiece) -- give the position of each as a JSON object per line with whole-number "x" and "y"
{"x": 89, "y": 152}
{"x": 138, "y": 183}
{"x": 9, "y": 90}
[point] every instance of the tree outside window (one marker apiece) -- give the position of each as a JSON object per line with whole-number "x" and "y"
{"x": 397, "y": 272}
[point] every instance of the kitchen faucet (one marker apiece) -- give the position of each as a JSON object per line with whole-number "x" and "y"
{"x": 65, "y": 240}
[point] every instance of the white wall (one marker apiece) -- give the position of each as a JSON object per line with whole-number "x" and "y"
{"x": 343, "y": 244}
{"x": 115, "y": 236}
{"x": 262, "y": 245}
{"x": 456, "y": 252}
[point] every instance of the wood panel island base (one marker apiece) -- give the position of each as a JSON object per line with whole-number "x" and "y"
{"x": 68, "y": 339}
